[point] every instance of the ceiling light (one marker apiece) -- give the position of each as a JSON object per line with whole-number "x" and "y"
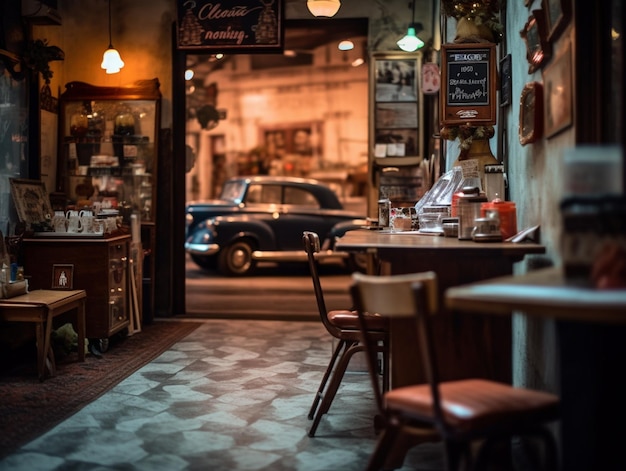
{"x": 411, "y": 42}
{"x": 345, "y": 45}
{"x": 358, "y": 62}
{"x": 325, "y": 8}
{"x": 111, "y": 60}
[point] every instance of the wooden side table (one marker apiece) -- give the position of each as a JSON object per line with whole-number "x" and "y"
{"x": 41, "y": 307}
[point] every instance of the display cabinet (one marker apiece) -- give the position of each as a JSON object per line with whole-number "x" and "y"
{"x": 396, "y": 126}
{"x": 108, "y": 156}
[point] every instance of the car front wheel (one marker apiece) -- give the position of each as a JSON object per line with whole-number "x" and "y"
{"x": 236, "y": 259}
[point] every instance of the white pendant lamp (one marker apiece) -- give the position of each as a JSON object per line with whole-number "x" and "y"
{"x": 325, "y": 8}
{"x": 111, "y": 60}
{"x": 411, "y": 42}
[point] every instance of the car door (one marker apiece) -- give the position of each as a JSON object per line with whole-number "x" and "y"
{"x": 300, "y": 211}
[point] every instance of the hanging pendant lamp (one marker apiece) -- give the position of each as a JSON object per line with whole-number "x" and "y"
{"x": 111, "y": 60}
{"x": 411, "y": 42}
{"x": 326, "y": 8}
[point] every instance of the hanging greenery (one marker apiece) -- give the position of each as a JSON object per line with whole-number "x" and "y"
{"x": 38, "y": 55}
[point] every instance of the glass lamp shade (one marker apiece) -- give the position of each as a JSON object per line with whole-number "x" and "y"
{"x": 410, "y": 42}
{"x": 325, "y": 8}
{"x": 111, "y": 61}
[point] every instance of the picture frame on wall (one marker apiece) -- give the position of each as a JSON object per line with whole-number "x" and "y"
{"x": 558, "y": 94}
{"x": 396, "y": 80}
{"x": 557, "y": 17}
{"x": 538, "y": 49}
{"x": 531, "y": 113}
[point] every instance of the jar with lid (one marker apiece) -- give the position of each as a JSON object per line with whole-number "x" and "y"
{"x": 468, "y": 210}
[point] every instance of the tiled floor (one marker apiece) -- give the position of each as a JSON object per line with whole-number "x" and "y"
{"x": 233, "y": 395}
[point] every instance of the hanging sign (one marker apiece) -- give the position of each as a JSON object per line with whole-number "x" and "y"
{"x": 468, "y": 77}
{"x": 230, "y": 26}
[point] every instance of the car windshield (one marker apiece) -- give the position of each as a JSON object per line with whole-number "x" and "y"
{"x": 233, "y": 191}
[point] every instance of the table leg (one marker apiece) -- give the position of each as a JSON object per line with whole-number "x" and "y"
{"x": 80, "y": 325}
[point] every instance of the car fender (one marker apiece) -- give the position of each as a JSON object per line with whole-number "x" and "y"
{"x": 227, "y": 229}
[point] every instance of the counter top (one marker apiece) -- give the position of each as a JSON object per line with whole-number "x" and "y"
{"x": 367, "y": 239}
{"x": 544, "y": 293}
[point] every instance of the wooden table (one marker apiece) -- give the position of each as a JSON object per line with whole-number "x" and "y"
{"x": 466, "y": 346}
{"x": 41, "y": 307}
{"x": 591, "y": 335}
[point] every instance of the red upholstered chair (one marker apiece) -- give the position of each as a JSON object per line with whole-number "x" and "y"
{"x": 471, "y": 415}
{"x": 343, "y": 325}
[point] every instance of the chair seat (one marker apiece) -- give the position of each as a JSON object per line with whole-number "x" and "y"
{"x": 349, "y": 320}
{"x": 476, "y": 404}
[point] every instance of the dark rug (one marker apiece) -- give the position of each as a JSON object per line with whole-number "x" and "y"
{"x": 29, "y": 407}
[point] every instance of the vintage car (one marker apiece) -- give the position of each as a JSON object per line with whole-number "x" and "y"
{"x": 262, "y": 218}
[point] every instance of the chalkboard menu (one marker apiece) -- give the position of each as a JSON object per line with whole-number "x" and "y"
{"x": 231, "y": 26}
{"x": 469, "y": 83}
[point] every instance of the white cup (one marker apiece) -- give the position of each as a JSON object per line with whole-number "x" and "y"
{"x": 74, "y": 224}
{"x": 59, "y": 223}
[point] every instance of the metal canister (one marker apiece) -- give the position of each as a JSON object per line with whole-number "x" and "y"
{"x": 384, "y": 210}
{"x": 469, "y": 210}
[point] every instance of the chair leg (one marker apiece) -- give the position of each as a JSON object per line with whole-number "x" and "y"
{"x": 455, "y": 451}
{"x": 383, "y": 447}
{"x": 350, "y": 349}
{"x": 329, "y": 369}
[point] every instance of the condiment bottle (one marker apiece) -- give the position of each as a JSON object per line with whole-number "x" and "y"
{"x": 469, "y": 209}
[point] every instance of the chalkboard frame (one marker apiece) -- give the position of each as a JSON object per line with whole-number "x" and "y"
{"x": 236, "y": 28}
{"x": 483, "y": 112}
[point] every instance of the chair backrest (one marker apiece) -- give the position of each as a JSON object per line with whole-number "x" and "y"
{"x": 411, "y": 295}
{"x": 311, "y": 242}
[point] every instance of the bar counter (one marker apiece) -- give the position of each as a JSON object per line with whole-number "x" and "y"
{"x": 468, "y": 346}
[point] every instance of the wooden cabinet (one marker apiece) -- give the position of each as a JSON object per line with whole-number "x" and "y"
{"x": 100, "y": 266}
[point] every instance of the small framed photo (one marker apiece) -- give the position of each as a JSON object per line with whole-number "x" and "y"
{"x": 396, "y": 80}
{"x": 557, "y": 13}
{"x": 531, "y": 113}
{"x": 62, "y": 276}
{"x": 557, "y": 82}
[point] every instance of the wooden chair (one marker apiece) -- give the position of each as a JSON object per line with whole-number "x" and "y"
{"x": 343, "y": 325}
{"x": 471, "y": 415}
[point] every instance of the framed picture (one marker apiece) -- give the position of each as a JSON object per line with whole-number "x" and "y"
{"x": 396, "y": 142}
{"x": 396, "y": 80}
{"x": 31, "y": 200}
{"x": 557, "y": 80}
{"x": 531, "y": 113}
{"x": 396, "y": 115}
{"x": 62, "y": 276}
{"x": 557, "y": 14}
{"x": 538, "y": 49}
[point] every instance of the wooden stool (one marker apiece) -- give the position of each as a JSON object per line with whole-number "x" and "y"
{"x": 41, "y": 307}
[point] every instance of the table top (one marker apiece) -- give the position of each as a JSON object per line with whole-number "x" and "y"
{"x": 364, "y": 240}
{"x": 44, "y": 297}
{"x": 545, "y": 293}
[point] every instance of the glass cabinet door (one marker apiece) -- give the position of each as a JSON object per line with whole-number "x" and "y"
{"x": 108, "y": 147}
